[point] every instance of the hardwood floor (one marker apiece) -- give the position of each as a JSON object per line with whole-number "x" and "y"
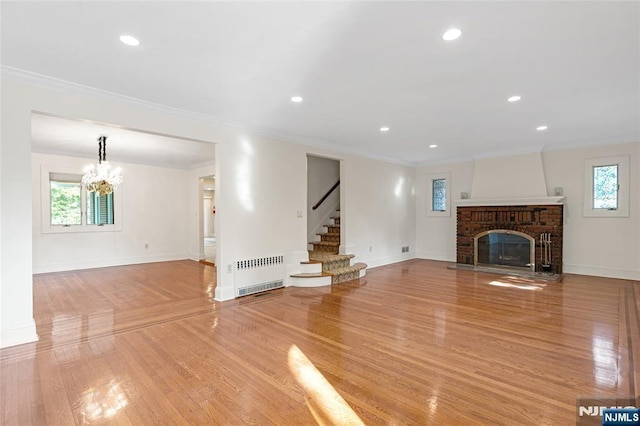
{"x": 412, "y": 343}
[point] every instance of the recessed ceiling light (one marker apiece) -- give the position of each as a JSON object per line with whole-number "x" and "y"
{"x": 433, "y": 146}
{"x": 384, "y": 129}
{"x": 514, "y": 98}
{"x": 296, "y": 99}
{"x": 451, "y": 34}
{"x": 129, "y": 40}
{"x": 542, "y": 128}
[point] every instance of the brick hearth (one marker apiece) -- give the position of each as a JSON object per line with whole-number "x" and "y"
{"x": 531, "y": 220}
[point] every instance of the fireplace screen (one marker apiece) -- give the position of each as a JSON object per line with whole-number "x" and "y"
{"x": 500, "y": 247}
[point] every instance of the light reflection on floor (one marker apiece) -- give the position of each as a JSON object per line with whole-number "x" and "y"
{"x": 102, "y": 403}
{"x": 520, "y": 286}
{"x": 324, "y": 402}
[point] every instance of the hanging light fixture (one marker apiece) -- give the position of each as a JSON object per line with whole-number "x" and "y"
{"x": 100, "y": 178}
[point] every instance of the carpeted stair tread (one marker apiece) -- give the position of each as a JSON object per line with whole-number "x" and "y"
{"x": 325, "y": 243}
{"x": 325, "y": 252}
{"x": 353, "y": 268}
{"x": 328, "y": 257}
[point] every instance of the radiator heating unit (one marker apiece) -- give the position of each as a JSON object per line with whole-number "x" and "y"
{"x": 256, "y": 275}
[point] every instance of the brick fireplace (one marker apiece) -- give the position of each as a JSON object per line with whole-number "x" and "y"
{"x": 531, "y": 220}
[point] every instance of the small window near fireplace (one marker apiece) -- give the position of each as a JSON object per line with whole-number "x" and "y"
{"x": 438, "y": 185}
{"x": 606, "y": 187}
{"x": 439, "y": 194}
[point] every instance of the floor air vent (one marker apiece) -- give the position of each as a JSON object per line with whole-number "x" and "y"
{"x": 256, "y": 275}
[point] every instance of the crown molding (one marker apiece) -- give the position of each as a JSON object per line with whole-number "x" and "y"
{"x": 614, "y": 140}
{"x": 622, "y": 139}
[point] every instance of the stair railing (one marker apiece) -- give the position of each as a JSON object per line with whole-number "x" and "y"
{"x": 325, "y": 196}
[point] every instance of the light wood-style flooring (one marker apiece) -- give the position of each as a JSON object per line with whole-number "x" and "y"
{"x": 412, "y": 343}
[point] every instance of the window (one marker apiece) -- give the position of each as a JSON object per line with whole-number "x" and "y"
{"x": 438, "y": 187}
{"x": 67, "y": 207}
{"x": 607, "y": 187}
{"x": 439, "y": 195}
{"x": 99, "y": 209}
{"x": 65, "y": 199}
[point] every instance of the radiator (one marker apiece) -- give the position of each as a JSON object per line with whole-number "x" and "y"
{"x": 256, "y": 275}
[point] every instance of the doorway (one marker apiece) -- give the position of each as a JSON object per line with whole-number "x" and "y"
{"x": 208, "y": 219}
{"x": 323, "y": 194}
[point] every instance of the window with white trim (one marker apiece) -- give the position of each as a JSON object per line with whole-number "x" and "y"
{"x": 65, "y": 199}
{"x": 606, "y": 187}
{"x": 439, "y": 194}
{"x": 66, "y": 206}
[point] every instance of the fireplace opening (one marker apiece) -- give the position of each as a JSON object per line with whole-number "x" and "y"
{"x": 504, "y": 248}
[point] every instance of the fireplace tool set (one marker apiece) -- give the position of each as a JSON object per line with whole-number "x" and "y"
{"x": 545, "y": 251}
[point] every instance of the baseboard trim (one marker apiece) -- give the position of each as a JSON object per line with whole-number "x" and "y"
{"x": 196, "y": 256}
{"x": 224, "y": 293}
{"x": 61, "y": 267}
{"x": 388, "y": 260}
{"x": 18, "y": 334}
{"x": 595, "y": 271}
{"x": 435, "y": 256}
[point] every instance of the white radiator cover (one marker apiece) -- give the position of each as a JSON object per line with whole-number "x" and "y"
{"x": 257, "y": 275}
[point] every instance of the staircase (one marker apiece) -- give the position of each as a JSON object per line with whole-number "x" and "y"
{"x": 325, "y": 266}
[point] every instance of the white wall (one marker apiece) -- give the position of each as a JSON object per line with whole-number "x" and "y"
{"x": 153, "y": 217}
{"x": 378, "y": 210}
{"x": 508, "y": 177}
{"x": 16, "y": 321}
{"x": 598, "y": 246}
{"x": 436, "y": 235}
{"x": 592, "y": 246}
{"x": 322, "y": 174}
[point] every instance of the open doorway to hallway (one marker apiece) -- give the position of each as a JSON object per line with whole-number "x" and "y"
{"x": 208, "y": 219}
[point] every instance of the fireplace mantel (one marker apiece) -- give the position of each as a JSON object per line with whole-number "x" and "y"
{"x": 528, "y": 201}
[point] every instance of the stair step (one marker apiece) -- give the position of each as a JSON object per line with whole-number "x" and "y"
{"x": 332, "y": 229}
{"x": 325, "y": 243}
{"x": 324, "y": 256}
{"x": 311, "y": 280}
{"x": 326, "y": 246}
{"x": 353, "y": 268}
{"x": 310, "y": 262}
{"x": 310, "y": 275}
{"x": 349, "y": 273}
{"x": 329, "y": 236}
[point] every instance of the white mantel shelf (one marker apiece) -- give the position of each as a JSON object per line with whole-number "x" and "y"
{"x": 529, "y": 201}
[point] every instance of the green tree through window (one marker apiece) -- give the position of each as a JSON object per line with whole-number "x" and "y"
{"x": 605, "y": 187}
{"x": 66, "y": 203}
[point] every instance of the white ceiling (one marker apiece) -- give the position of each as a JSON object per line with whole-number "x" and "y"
{"x": 359, "y": 66}
{"x": 77, "y": 138}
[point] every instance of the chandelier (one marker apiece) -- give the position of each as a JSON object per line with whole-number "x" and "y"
{"x": 100, "y": 178}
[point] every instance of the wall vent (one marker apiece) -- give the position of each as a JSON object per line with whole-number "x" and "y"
{"x": 256, "y": 275}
